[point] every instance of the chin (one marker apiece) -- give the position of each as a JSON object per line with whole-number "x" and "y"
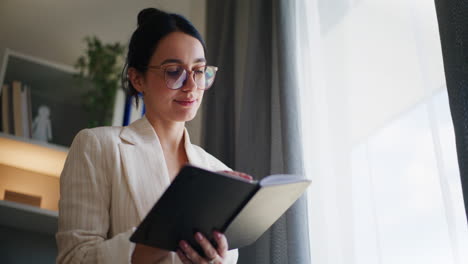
{"x": 186, "y": 117}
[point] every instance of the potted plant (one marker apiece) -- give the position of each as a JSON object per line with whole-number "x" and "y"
{"x": 100, "y": 66}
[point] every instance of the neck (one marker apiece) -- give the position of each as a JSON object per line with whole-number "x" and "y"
{"x": 170, "y": 134}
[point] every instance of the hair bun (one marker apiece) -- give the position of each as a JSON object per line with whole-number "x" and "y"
{"x": 149, "y": 14}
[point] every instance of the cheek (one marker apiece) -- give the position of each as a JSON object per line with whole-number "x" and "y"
{"x": 159, "y": 91}
{"x": 200, "y": 99}
{"x": 154, "y": 83}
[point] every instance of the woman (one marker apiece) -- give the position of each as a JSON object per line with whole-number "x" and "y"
{"x": 114, "y": 175}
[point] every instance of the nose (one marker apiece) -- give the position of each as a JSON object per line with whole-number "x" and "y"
{"x": 189, "y": 83}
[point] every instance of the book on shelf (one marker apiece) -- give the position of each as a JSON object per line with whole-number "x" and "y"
{"x": 17, "y": 109}
{"x": 199, "y": 200}
{"x": 20, "y": 106}
{"x": 27, "y": 112}
{"x": 5, "y": 112}
{"x": 23, "y": 198}
{"x": 8, "y": 125}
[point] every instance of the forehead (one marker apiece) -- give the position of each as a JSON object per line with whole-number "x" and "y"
{"x": 178, "y": 46}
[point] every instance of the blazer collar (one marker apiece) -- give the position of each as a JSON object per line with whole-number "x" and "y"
{"x": 144, "y": 163}
{"x": 140, "y": 131}
{"x": 192, "y": 156}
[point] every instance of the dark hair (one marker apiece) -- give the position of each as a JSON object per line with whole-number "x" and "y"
{"x": 153, "y": 25}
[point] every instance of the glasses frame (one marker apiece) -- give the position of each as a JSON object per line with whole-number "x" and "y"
{"x": 190, "y": 73}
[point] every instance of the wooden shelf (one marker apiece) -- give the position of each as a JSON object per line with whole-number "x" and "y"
{"x": 35, "y": 142}
{"x": 26, "y": 217}
{"x": 32, "y": 155}
{"x": 31, "y": 167}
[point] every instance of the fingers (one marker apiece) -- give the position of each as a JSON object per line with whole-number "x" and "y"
{"x": 210, "y": 251}
{"x": 188, "y": 255}
{"x": 183, "y": 258}
{"x": 222, "y": 244}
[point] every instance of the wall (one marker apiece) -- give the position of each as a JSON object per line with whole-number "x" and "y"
{"x": 54, "y": 29}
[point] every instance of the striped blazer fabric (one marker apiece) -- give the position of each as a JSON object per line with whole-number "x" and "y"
{"x": 112, "y": 177}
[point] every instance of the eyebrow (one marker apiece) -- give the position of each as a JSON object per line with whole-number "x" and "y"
{"x": 180, "y": 62}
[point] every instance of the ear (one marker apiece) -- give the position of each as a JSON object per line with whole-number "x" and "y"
{"x": 137, "y": 79}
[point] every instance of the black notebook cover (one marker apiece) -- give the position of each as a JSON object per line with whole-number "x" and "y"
{"x": 204, "y": 201}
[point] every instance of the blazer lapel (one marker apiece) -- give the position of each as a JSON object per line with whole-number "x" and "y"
{"x": 143, "y": 164}
{"x": 193, "y": 158}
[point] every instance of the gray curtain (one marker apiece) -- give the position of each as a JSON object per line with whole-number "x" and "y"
{"x": 251, "y": 115}
{"x": 453, "y": 26}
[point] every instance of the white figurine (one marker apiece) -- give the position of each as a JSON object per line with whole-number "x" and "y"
{"x": 42, "y": 128}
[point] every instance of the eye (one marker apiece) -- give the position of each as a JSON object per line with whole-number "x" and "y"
{"x": 199, "y": 71}
{"x": 174, "y": 70}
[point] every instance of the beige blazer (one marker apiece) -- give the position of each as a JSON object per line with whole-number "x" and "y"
{"x": 112, "y": 177}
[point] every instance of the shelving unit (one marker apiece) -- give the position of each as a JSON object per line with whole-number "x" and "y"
{"x": 28, "y": 234}
{"x": 28, "y": 218}
{"x": 32, "y": 155}
{"x": 31, "y": 167}
{"x": 35, "y": 142}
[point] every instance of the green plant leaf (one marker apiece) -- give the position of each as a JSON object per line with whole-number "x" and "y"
{"x": 101, "y": 65}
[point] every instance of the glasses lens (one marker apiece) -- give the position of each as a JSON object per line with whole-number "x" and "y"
{"x": 175, "y": 76}
{"x": 199, "y": 76}
{"x": 210, "y": 73}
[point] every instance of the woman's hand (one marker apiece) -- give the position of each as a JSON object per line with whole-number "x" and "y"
{"x": 239, "y": 174}
{"x": 147, "y": 254}
{"x": 213, "y": 255}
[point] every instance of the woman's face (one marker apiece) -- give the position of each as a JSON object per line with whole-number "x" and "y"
{"x": 165, "y": 104}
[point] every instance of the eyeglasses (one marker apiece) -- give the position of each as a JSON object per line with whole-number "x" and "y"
{"x": 175, "y": 75}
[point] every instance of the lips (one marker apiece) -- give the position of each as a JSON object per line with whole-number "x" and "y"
{"x": 186, "y": 102}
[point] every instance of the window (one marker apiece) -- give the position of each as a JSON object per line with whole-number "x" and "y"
{"x": 378, "y": 137}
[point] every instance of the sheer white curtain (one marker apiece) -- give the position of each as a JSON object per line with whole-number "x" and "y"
{"x": 379, "y": 142}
